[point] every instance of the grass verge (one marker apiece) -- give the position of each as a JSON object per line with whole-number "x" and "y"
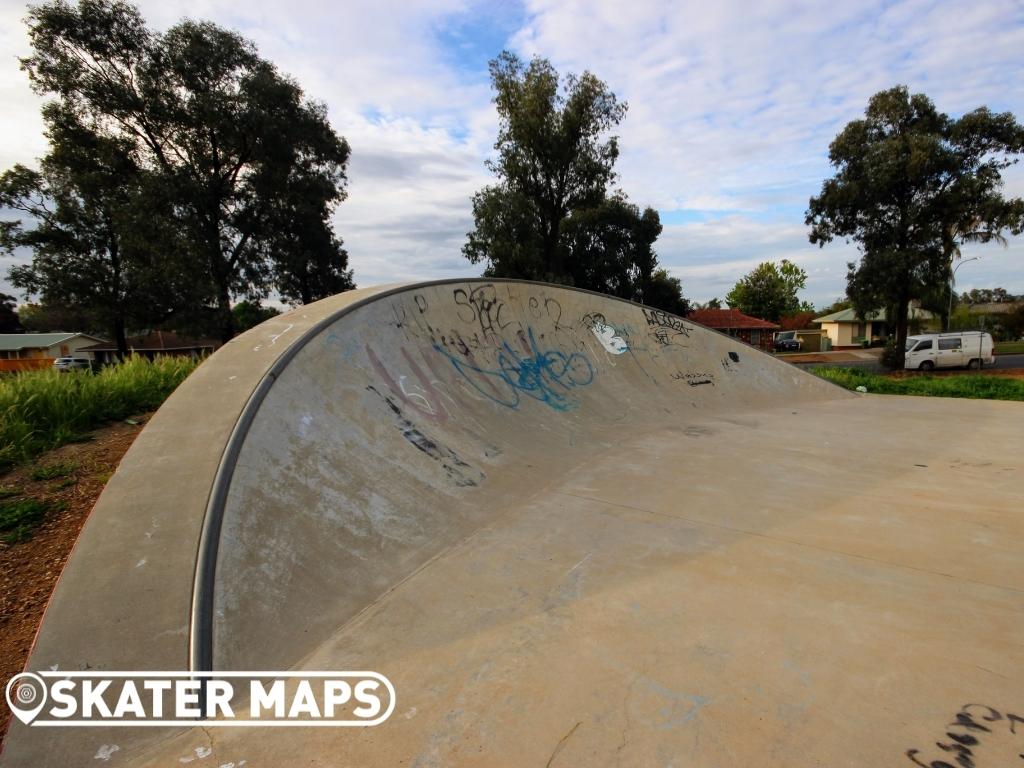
{"x": 1009, "y": 348}
{"x": 41, "y": 410}
{"x": 977, "y": 387}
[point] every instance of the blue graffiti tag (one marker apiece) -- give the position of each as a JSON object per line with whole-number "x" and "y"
{"x": 544, "y": 376}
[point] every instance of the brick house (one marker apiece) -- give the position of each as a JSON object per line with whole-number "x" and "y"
{"x": 752, "y": 330}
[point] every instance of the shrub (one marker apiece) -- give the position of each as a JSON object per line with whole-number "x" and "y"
{"x": 889, "y": 358}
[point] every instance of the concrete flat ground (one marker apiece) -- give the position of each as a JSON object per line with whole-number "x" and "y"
{"x": 758, "y": 570}
{"x": 739, "y": 592}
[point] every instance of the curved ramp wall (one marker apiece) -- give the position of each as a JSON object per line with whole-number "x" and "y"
{"x": 415, "y": 418}
{"x": 320, "y": 459}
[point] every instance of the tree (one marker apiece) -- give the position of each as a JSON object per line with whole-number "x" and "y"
{"x": 912, "y": 185}
{"x": 715, "y": 303}
{"x": 796, "y": 321}
{"x": 1013, "y": 323}
{"x": 609, "y": 248}
{"x": 9, "y": 320}
{"x": 551, "y": 161}
{"x": 836, "y": 306}
{"x": 309, "y": 261}
{"x": 86, "y": 217}
{"x": 230, "y": 140}
{"x": 550, "y": 215}
{"x": 46, "y": 318}
{"x": 666, "y": 292}
{"x": 988, "y": 296}
{"x": 249, "y": 314}
{"x": 769, "y": 291}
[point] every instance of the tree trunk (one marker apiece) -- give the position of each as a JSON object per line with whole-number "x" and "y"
{"x": 221, "y": 267}
{"x": 120, "y": 338}
{"x": 902, "y": 316}
{"x": 552, "y": 254}
{"x": 227, "y": 320}
{"x": 305, "y": 287}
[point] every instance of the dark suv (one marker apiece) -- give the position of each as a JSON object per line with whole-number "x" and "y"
{"x": 787, "y": 341}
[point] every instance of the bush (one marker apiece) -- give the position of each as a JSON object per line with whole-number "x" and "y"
{"x": 40, "y": 410}
{"x": 890, "y": 359}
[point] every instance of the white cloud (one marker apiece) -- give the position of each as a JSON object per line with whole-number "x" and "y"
{"x": 732, "y": 107}
{"x": 710, "y": 256}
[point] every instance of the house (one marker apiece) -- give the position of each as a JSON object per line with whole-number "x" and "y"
{"x": 1003, "y": 319}
{"x": 845, "y": 330}
{"x": 752, "y": 330}
{"x": 156, "y": 344}
{"x": 26, "y": 351}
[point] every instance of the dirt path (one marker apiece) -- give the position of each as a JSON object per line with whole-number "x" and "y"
{"x": 29, "y": 570}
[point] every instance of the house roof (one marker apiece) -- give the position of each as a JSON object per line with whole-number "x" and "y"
{"x": 850, "y": 316}
{"x": 12, "y": 342}
{"x": 156, "y": 341}
{"x": 728, "y": 319}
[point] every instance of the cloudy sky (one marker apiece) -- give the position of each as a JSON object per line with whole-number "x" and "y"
{"x": 732, "y": 106}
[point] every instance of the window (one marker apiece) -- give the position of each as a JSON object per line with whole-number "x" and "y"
{"x": 755, "y": 337}
{"x": 923, "y": 345}
{"x": 949, "y": 343}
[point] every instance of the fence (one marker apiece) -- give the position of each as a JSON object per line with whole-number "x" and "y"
{"x": 25, "y": 364}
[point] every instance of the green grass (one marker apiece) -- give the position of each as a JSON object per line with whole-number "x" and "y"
{"x": 41, "y": 410}
{"x": 967, "y": 385}
{"x": 19, "y": 518}
{"x": 53, "y": 471}
{"x": 1009, "y": 348}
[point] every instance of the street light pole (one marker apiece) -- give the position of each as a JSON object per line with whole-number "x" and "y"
{"x": 952, "y": 279}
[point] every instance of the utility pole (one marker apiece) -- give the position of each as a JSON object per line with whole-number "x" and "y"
{"x": 952, "y": 280}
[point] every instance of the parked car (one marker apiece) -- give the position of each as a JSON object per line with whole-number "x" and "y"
{"x": 787, "y": 341}
{"x": 926, "y": 352}
{"x": 72, "y": 363}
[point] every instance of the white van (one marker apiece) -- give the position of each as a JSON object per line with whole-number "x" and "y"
{"x": 949, "y": 350}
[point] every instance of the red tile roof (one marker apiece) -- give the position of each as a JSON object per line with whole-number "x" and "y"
{"x": 728, "y": 318}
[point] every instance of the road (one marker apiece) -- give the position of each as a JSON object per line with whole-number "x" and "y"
{"x": 1002, "y": 361}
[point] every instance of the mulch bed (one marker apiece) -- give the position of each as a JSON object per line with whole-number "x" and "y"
{"x": 29, "y": 569}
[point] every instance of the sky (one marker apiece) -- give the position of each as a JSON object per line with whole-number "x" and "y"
{"x": 732, "y": 106}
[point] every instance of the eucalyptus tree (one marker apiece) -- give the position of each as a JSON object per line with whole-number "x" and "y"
{"x": 911, "y": 186}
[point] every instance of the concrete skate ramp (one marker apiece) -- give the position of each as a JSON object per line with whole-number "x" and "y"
{"x": 571, "y": 531}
